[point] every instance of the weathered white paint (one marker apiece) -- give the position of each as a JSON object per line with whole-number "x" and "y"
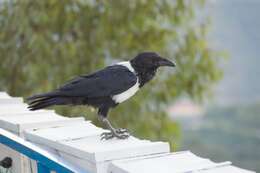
{"x": 167, "y": 163}
{"x": 88, "y": 145}
{"x": 66, "y": 133}
{"x": 4, "y": 95}
{"x": 119, "y": 98}
{"x": 15, "y": 100}
{"x": 226, "y": 169}
{"x": 9, "y": 108}
{"x": 81, "y": 144}
{"x": 184, "y": 161}
{"x": 26, "y": 112}
{"x": 18, "y": 123}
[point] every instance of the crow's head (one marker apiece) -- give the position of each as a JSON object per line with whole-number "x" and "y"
{"x": 150, "y": 60}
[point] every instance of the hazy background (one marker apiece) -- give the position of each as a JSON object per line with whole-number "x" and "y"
{"x": 235, "y": 28}
{"x": 228, "y": 126}
{"x": 210, "y": 103}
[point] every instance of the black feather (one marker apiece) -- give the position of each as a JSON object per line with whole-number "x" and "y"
{"x": 95, "y": 89}
{"x": 44, "y": 95}
{"x": 40, "y": 104}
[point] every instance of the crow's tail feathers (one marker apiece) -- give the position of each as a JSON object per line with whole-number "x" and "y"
{"x": 41, "y": 101}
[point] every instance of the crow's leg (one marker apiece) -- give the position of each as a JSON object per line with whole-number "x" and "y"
{"x": 118, "y": 133}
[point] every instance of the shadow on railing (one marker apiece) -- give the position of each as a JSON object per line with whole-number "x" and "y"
{"x": 46, "y": 161}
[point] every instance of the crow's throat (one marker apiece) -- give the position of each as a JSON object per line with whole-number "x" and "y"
{"x": 145, "y": 75}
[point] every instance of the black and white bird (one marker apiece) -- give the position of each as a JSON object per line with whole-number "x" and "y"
{"x": 105, "y": 89}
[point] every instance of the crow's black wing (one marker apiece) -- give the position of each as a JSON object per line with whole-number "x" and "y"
{"x": 107, "y": 82}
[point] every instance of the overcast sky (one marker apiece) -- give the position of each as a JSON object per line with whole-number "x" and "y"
{"x": 236, "y": 29}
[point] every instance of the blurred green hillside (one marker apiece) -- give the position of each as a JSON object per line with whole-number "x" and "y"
{"x": 45, "y": 43}
{"x": 227, "y": 133}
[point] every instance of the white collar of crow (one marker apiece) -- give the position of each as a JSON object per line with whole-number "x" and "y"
{"x": 128, "y": 65}
{"x": 119, "y": 98}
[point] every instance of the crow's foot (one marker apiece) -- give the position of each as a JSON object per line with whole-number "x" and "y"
{"x": 118, "y": 133}
{"x": 122, "y": 131}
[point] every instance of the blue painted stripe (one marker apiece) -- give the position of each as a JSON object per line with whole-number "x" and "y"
{"x": 42, "y": 169}
{"x": 34, "y": 155}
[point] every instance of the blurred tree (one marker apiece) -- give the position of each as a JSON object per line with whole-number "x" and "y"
{"x": 45, "y": 43}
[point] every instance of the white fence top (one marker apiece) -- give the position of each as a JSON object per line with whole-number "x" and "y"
{"x": 78, "y": 143}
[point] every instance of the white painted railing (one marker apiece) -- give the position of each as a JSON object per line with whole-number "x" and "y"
{"x": 42, "y": 141}
{"x": 46, "y": 161}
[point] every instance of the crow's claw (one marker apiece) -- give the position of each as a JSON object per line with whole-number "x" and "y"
{"x": 121, "y": 130}
{"x": 122, "y": 135}
{"x": 106, "y": 135}
{"x": 118, "y": 133}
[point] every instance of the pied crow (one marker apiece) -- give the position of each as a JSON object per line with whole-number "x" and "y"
{"x": 105, "y": 89}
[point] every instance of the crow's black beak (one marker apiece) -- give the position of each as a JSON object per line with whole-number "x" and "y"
{"x": 166, "y": 62}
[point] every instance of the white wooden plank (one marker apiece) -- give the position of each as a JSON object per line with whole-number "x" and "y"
{"x": 74, "y": 155}
{"x": 100, "y": 167}
{"x": 26, "y": 112}
{"x": 66, "y": 133}
{"x": 175, "y": 162}
{"x": 50, "y": 124}
{"x": 32, "y": 118}
{"x": 79, "y": 162}
{"x": 12, "y": 100}
{"x": 115, "y": 148}
{"x": 18, "y": 109}
{"x": 84, "y": 164}
{"x": 9, "y": 105}
{"x": 93, "y": 149}
{"x": 17, "y": 124}
{"x": 4, "y": 95}
{"x": 13, "y": 108}
{"x": 226, "y": 169}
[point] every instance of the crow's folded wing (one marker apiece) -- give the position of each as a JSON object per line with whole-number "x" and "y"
{"x": 107, "y": 82}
